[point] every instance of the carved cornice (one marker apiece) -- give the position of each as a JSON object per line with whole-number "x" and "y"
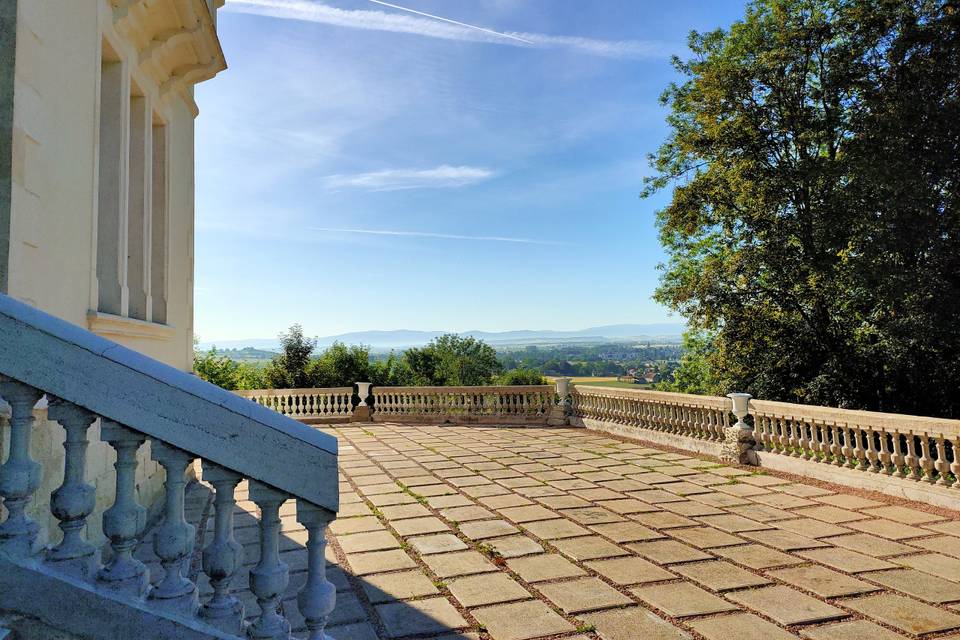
{"x": 175, "y": 41}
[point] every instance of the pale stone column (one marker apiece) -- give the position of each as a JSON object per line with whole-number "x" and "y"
{"x": 318, "y": 597}
{"x": 224, "y": 555}
{"x": 269, "y": 578}
{"x": 75, "y": 500}
{"x": 174, "y": 539}
{"x": 123, "y": 522}
{"x": 19, "y": 475}
{"x": 738, "y": 439}
{"x": 560, "y": 414}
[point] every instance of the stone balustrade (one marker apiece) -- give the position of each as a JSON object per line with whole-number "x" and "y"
{"x": 306, "y": 405}
{"x": 513, "y": 404}
{"x": 141, "y": 403}
{"x": 701, "y": 422}
{"x": 898, "y": 446}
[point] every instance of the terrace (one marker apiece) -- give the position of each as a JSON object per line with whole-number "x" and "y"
{"x": 467, "y": 530}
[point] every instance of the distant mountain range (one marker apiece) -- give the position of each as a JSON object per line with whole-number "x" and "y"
{"x": 404, "y": 338}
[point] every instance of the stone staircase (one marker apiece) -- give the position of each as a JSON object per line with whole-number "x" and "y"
{"x": 269, "y": 485}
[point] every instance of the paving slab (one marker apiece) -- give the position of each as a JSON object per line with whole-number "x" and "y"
{"x": 786, "y": 605}
{"x": 705, "y": 537}
{"x": 668, "y": 552}
{"x": 824, "y": 582}
{"x": 515, "y": 546}
{"x": 362, "y": 564}
{"x": 851, "y": 630}
{"x": 905, "y": 614}
{"x": 583, "y": 594}
{"x": 588, "y": 548}
{"x": 372, "y": 541}
{"x": 521, "y": 621}
{"x": 432, "y": 615}
{"x": 741, "y": 626}
{"x": 682, "y": 599}
{"x": 918, "y": 584}
{"x": 555, "y": 529}
{"x": 757, "y": 556}
{"x": 483, "y": 529}
{"x": 544, "y": 566}
{"x": 437, "y": 543}
{"x": 631, "y": 624}
{"x": 719, "y": 575}
{"x": 384, "y": 587}
{"x": 630, "y": 571}
{"x": 487, "y": 588}
{"x": 458, "y": 563}
{"x": 846, "y": 560}
{"x": 418, "y": 526}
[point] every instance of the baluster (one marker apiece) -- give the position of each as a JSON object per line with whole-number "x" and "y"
{"x": 835, "y": 445}
{"x": 124, "y": 521}
{"x": 224, "y": 555}
{"x": 872, "y": 455}
{"x": 75, "y": 500}
{"x": 859, "y": 451}
{"x": 19, "y": 475}
{"x": 898, "y": 458}
{"x": 318, "y": 597}
{"x": 911, "y": 458}
{"x": 269, "y": 578}
{"x": 955, "y": 465}
{"x": 885, "y": 457}
{"x": 173, "y": 540}
{"x": 943, "y": 467}
{"x": 926, "y": 461}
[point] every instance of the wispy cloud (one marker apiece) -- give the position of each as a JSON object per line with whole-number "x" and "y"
{"x": 432, "y": 26}
{"x": 442, "y": 177}
{"x": 442, "y": 236}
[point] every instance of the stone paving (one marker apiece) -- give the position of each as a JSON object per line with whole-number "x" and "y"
{"x": 477, "y": 533}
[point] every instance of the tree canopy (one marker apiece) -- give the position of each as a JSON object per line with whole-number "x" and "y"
{"x": 813, "y": 228}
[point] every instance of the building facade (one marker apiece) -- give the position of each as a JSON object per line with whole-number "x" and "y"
{"x": 97, "y": 183}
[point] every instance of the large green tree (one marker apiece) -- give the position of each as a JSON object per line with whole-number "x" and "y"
{"x": 452, "y": 360}
{"x": 813, "y": 228}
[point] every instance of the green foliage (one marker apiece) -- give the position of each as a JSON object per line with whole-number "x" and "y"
{"x": 452, "y": 360}
{"x": 521, "y": 376}
{"x": 813, "y": 227}
{"x": 217, "y": 369}
{"x": 340, "y": 366}
{"x": 225, "y": 372}
{"x": 694, "y": 373}
{"x": 291, "y": 369}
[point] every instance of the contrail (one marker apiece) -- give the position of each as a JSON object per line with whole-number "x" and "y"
{"x": 444, "y": 236}
{"x": 460, "y": 24}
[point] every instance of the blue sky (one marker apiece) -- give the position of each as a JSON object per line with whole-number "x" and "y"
{"x": 364, "y": 167}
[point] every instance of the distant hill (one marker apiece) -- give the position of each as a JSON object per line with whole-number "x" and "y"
{"x": 404, "y": 338}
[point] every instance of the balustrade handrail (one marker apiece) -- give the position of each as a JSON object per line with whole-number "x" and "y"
{"x": 254, "y": 393}
{"x": 165, "y": 403}
{"x": 667, "y": 397}
{"x": 520, "y": 388}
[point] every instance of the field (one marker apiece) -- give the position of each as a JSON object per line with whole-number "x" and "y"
{"x": 604, "y": 381}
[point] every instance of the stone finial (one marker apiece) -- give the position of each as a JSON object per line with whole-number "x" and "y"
{"x": 361, "y": 413}
{"x": 559, "y": 414}
{"x": 738, "y": 440}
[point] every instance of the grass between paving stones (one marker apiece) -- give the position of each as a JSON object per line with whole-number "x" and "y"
{"x": 484, "y": 546}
